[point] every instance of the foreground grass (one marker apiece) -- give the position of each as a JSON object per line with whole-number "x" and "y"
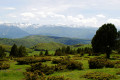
{"x": 15, "y": 72}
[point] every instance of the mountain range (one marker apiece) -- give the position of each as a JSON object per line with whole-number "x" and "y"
{"x": 16, "y": 30}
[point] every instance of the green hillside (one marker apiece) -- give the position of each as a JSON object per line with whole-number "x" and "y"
{"x": 48, "y": 46}
{"x": 35, "y": 39}
{"x": 6, "y": 47}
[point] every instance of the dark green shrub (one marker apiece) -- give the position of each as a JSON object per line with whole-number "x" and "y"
{"x": 109, "y": 64}
{"x": 60, "y": 67}
{"x": 67, "y": 63}
{"x": 30, "y": 60}
{"x": 118, "y": 73}
{"x": 95, "y": 63}
{"x": 56, "y": 61}
{"x": 4, "y": 66}
{"x": 99, "y": 76}
{"x": 74, "y": 65}
{"x": 117, "y": 66}
{"x": 40, "y": 68}
{"x": 31, "y": 76}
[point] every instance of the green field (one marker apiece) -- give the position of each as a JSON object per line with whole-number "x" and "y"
{"x": 15, "y": 72}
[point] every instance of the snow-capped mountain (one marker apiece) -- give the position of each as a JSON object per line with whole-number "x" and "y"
{"x": 17, "y": 30}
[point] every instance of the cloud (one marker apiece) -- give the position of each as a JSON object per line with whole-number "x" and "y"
{"x": 12, "y": 15}
{"x": 114, "y": 21}
{"x": 34, "y": 9}
{"x": 82, "y": 21}
{"x": 9, "y": 8}
{"x": 28, "y": 14}
{"x": 100, "y": 16}
{"x": 1, "y": 22}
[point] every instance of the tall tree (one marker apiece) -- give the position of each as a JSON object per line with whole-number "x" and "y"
{"x": 46, "y": 53}
{"x": 14, "y": 51}
{"x": 41, "y": 53}
{"x": 2, "y": 52}
{"x": 105, "y": 39}
{"x": 22, "y": 51}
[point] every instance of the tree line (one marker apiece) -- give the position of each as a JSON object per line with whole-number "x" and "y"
{"x": 15, "y": 51}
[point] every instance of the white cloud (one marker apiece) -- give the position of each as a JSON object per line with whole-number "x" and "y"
{"x": 12, "y": 15}
{"x": 114, "y": 21}
{"x": 82, "y": 21}
{"x": 1, "y": 22}
{"x": 34, "y": 9}
{"x": 100, "y": 16}
{"x": 28, "y": 14}
{"x": 10, "y": 8}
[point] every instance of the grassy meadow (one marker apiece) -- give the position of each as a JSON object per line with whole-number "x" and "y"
{"x": 15, "y": 72}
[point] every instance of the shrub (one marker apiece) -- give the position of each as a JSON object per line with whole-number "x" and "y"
{"x": 56, "y": 61}
{"x": 40, "y": 68}
{"x": 118, "y": 73}
{"x": 60, "y": 67}
{"x": 117, "y": 62}
{"x": 31, "y": 76}
{"x": 95, "y": 63}
{"x": 98, "y": 76}
{"x": 67, "y": 63}
{"x": 109, "y": 64}
{"x": 117, "y": 66}
{"x": 30, "y": 60}
{"x": 100, "y": 62}
{"x": 4, "y": 66}
{"x": 75, "y": 65}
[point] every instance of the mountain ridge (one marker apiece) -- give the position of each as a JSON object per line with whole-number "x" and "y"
{"x": 35, "y": 39}
{"x": 49, "y": 30}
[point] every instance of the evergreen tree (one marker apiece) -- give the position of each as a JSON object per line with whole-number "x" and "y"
{"x": 22, "y": 51}
{"x": 14, "y": 51}
{"x": 41, "y": 53}
{"x": 67, "y": 50}
{"x": 2, "y": 52}
{"x": 105, "y": 39}
{"x": 46, "y": 53}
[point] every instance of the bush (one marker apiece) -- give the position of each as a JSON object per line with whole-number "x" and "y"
{"x": 31, "y": 76}
{"x": 40, "y": 68}
{"x": 95, "y": 63}
{"x": 117, "y": 66}
{"x": 109, "y": 64}
{"x": 35, "y": 76}
{"x": 66, "y": 63}
{"x": 30, "y": 60}
{"x": 118, "y": 73}
{"x": 98, "y": 76}
{"x": 4, "y": 66}
{"x": 75, "y": 65}
{"x": 60, "y": 67}
{"x": 56, "y": 61}
{"x": 98, "y": 62}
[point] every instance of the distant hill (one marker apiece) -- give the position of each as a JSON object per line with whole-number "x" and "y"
{"x": 62, "y": 31}
{"x": 35, "y": 39}
{"x": 9, "y": 31}
{"x": 47, "y": 46}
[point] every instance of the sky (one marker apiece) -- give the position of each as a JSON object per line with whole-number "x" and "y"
{"x": 93, "y": 13}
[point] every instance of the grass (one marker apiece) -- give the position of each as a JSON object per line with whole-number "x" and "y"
{"x": 15, "y": 72}
{"x": 38, "y": 52}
